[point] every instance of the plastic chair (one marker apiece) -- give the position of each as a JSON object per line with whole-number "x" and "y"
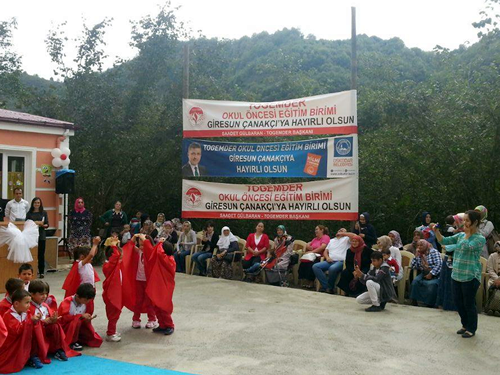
{"x": 406, "y": 258}
{"x": 299, "y": 247}
{"x": 194, "y": 249}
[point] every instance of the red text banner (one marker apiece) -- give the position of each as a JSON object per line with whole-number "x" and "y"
{"x": 334, "y": 199}
{"x": 323, "y": 114}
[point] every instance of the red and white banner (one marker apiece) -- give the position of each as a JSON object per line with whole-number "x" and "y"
{"x": 323, "y": 114}
{"x": 334, "y": 199}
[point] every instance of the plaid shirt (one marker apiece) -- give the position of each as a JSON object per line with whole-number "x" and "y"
{"x": 433, "y": 260}
{"x": 466, "y": 255}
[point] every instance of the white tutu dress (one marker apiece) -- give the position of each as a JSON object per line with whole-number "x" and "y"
{"x": 19, "y": 243}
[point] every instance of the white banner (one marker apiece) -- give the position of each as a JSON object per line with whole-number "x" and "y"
{"x": 318, "y": 200}
{"x": 323, "y": 114}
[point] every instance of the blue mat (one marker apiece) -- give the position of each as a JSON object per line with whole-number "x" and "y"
{"x": 88, "y": 365}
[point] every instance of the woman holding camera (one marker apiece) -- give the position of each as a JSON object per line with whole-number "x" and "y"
{"x": 466, "y": 274}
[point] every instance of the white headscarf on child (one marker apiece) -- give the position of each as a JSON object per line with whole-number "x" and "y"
{"x": 224, "y": 241}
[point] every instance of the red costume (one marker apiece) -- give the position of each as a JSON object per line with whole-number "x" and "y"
{"x": 3, "y": 331}
{"x": 160, "y": 271}
{"x": 52, "y": 302}
{"x": 77, "y": 329}
{"x": 134, "y": 293}
{"x": 112, "y": 290}
{"x": 73, "y": 280}
{"x": 5, "y": 306}
{"x": 16, "y": 350}
{"x": 48, "y": 338}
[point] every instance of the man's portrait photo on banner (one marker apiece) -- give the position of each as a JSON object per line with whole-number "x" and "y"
{"x": 193, "y": 168}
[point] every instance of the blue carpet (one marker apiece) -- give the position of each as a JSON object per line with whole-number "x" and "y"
{"x": 88, "y": 365}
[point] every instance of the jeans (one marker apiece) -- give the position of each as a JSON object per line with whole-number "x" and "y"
{"x": 333, "y": 269}
{"x": 372, "y": 296}
{"x": 465, "y": 301}
{"x": 180, "y": 260}
{"x": 200, "y": 259}
{"x": 253, "y": 268}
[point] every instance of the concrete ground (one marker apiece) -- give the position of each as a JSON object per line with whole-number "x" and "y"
{"x": 230, "y": 327}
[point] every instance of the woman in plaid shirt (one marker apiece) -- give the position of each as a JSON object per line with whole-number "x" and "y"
{"x": 425, "y": 286}
{"x": 466, "y": 274}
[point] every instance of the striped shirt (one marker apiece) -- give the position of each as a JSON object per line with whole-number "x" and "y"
{"x": 466, "y": 256}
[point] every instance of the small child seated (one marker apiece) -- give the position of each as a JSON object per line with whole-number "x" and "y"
{"x": 51, "y": 300}
{"x": 378, "y": 282}
{"x": 392, "y": 263}
{"x": 76, "y": 318}
{"x": 15, "y": 353}
{"x": 10, "y": 286}
{"x": 125, "y": 234}
{"x": 26, "y": 274}
{"x": 49, "y": 335}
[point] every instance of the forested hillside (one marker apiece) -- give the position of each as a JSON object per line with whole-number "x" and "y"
{"x": 429, "y": 121}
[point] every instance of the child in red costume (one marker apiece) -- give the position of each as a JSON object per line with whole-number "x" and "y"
{"x": 76, "y": 318}
{"x": 3, "y": 331}
{"x": 10, "y": 286}
{"x": 161, "y": 281}
{"x": 51, "y": 300}
{"x": 48, "y": 337}
{"x": 16, "y": 350}
{"x": 112, "y": 289}
{"x": 26, "y": 274}
{"x": 135, "y": 283}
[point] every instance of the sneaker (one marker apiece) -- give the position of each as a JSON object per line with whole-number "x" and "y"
{"x": 136, "y": 324}
{"x": 151, "y": 324}
{"x": 35, "y": 362}
{"x": 60, "y": 355}
{"x": 373, "y": 308}
{"x": 159, "y": 330}
{"x": 113, "y": 338}
{"x": 76, "y": 347}
{"x": 168, "y": 331}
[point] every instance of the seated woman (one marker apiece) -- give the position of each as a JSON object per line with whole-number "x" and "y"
{"x": 412, "y": 247}
{"x": 365, "y": 230}
{"x": 334, "y": 261}
{"x": 428, "y": 262}
{"x": 426, "y": 230}
{"x": 493, "y": 269}
{"x": 396, "y": 239}
{"x": 277, "y": 259}
{"x": 256, "y": 247}
{"x": 358, "y": 254}
{"x": 168, "y": 233}
{"x": 385, "y": 242}
{"x": 221, "y": 263}
{"x": 314, "y": 249}
{"x": 485, "y": 228}
{"x": 208, "y": 245}
{"x": 185, "y": 244}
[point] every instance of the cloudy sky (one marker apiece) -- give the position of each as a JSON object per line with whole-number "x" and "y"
{"x": 422, "y": 24}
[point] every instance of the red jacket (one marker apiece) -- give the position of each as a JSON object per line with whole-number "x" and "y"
{"x": 263, "y": 243}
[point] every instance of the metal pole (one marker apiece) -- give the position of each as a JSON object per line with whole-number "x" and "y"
{"x": 185, "y": 81}
{"x": 354, "y": 57}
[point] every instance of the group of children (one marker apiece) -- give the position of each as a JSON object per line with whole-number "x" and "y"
{"x": 139, "y": 276}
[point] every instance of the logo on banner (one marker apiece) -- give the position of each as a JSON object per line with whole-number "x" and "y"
{"x": 196, "y": 116}
{"x": 342, "y": 147}
{"x": 192, "y": 197}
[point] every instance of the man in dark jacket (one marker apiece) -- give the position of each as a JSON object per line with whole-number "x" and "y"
{"x": 193, "y": 168}
{"x": 378, "y": 282}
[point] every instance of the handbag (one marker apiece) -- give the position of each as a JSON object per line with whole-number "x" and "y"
{"x": 310, "y": 257}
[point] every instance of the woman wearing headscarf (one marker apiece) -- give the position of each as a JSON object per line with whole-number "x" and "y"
{"x": 358, "y": 254}
{"x": 396, "y": 239}
{"x": 167, "y": 231}
{"x": 493, "y": 269}
{"x": 257, "y": 246}
{"x": 417, "y": 236}
{"x": 80, "y": 221}
{"x": 221, "y": 263}
{"x": 185, "y": 244}
{"x": 428, "y": 263}
{"x": 160, "y": 219}
{"x": 385, "y": 243}
{"x": 426, "y": 230}
{"x": 485, "y": 228}
{"x": 365, "y": 230}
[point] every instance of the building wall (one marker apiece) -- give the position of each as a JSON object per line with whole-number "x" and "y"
{"x": 36, "y": 144}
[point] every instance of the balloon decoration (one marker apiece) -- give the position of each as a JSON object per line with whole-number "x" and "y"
{"x": 61, "y": 157}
